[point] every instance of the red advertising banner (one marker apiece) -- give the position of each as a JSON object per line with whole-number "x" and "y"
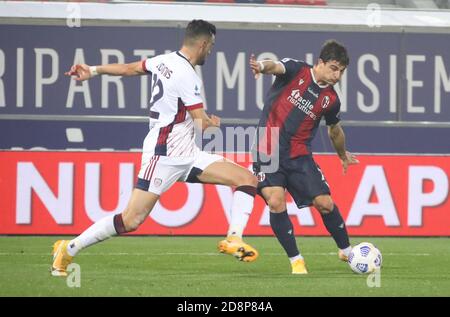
{"x": 65, "y": 192}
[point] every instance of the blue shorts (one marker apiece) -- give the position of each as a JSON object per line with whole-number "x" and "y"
{"x": 301, "y": 177}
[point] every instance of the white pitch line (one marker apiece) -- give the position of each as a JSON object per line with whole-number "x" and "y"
{"x": 193, "y": 254}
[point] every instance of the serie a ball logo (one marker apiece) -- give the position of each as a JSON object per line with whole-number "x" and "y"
{"x": 365, "y": 258}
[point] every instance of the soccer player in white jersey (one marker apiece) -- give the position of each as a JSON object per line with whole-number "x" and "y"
{"x": 169, "y": 151}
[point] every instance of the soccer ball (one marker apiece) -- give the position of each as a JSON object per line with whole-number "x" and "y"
{"x": 365, "y": 258}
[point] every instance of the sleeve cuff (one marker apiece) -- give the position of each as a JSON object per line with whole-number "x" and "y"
{"x": 282, "y": 64}
{"x": 193, "y": 107}
{"x": 144, "y": 67}
{"x": 332, "y": 122}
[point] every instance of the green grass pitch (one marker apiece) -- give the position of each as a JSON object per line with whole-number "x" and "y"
{"x": 191, "y": 266}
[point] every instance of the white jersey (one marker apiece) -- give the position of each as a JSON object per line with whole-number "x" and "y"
{"x": 175, "y": 88}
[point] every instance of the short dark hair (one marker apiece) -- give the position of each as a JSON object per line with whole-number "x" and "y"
{"x": 332, "y": 50}
{"x": 197, "y": 28}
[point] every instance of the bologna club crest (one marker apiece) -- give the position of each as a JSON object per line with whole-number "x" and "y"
{"x": 325, "y": 101}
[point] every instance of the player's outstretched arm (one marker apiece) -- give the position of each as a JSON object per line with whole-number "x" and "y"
{"x": 83, "y": 71}
{"x": 202, "y": 120}
{"x": 337, "y": 137}
{"x": 266, "y": 66}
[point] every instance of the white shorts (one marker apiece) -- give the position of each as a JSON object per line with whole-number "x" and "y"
{"x": 159, "y": 173}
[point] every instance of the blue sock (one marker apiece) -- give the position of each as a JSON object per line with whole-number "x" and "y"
{"x": 282, "y": 227}
{"x": 336, "y": 227}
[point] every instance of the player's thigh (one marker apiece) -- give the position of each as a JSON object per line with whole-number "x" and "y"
{"x": 227, "y": 173}
{"x": 154, "y": 178}
{"x": 306, "y": 182}
{"x": 214, "y": 169}
{"x": 272, "y": 188}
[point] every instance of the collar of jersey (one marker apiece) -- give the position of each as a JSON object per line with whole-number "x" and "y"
{"x": 314, "y": 79}
{"x": 184, "y": 57}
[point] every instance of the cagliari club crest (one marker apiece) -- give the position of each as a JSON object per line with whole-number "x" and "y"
{"x": 157, "y": 182}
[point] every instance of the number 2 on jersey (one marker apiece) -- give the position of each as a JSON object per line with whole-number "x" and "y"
{"x": 156, "y": 91}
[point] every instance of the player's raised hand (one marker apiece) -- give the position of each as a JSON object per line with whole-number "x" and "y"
{"x": 349, "y": 159}
{"x": 255, "y": 66}
{"x": 80, "y": 71}
{"x": 215, "y": 120}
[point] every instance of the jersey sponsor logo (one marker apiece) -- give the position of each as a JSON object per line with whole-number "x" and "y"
{"x": 301, "y": 81}
{"x": 325, "y": 101}
{"x": 301, "y": 103}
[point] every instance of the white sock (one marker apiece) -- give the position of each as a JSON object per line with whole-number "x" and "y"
{"x": 241, "y": 209}
{"x": 347, "y": 250}
{"x": 99, "y": 231}
{"x": 295, "y": 258}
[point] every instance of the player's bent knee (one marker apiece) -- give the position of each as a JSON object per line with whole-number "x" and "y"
{"x": 325, "y": 206}
{"x": 276, "y": 204}
{"x": 252, "y": 180}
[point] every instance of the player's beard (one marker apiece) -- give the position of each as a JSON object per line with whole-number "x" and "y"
{"x": 201, "y": 62}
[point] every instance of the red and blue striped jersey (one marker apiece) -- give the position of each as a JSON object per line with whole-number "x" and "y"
{"x": 294, "y": 106}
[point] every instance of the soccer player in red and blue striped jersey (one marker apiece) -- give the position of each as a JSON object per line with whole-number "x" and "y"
{"x": 298, "y": 99}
